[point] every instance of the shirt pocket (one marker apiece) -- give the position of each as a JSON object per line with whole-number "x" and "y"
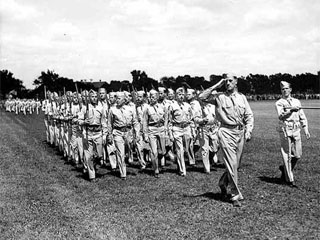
{"x": 241, "y": 108}
{"x": 227, "y": 106}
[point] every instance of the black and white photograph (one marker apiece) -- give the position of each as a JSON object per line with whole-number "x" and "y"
{"x": 159, "y": 119}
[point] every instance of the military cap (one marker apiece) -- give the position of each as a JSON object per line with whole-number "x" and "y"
{"x": 161, "y": 89}
{"x": 180, "y": 90}
{"x": 84, "y": 93}
{"x": 121, "y": 94}
{"x": 140, "y": 93}
{"x": 127, "y": 94}
{"x": 92, "y": 91}
{"x": 190, "y": 91}
{"x": 170, "y": 90}
{"x": 153, "y": 92}
{"x": 114, "y": 94}
{"x": 284, "y": 84}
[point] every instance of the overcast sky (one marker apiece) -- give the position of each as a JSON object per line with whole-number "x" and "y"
{"x": 101, "y": 39}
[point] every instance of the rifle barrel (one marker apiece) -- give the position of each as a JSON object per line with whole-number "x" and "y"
{"x": 303, "y": 107}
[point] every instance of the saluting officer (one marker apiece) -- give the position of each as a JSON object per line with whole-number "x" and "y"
{"x": 236, "y": 118}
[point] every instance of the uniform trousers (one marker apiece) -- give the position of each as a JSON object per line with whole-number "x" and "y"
{"x": 51, "y": 132}
{"x": 157, "y": 146}
{"x": 92, "y": 146}
{"x": 66, "y": 139}
{"x": 141, "y": 147}
{"x": 181, "y": 136}
{"x": 111, "y": 150}
{"x": 122, "y": 140}
{"x": 230, "y": 146}
{"x": 46, "y": 124}
{"x": 209, "y": 143}
{"x": 76, "y": 145}
{"x": 291, "y": 140}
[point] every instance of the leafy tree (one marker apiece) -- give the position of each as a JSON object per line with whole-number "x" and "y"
{"x": 9, "y": 83}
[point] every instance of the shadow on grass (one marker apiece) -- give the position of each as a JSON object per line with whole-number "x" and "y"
{"x": 210, "y": 195}
{"x": 273, "y": 180}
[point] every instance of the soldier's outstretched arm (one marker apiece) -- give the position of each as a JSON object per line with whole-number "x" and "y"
{"x": 207, "y": 92}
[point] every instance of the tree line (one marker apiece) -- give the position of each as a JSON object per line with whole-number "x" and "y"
{"x": 252, "y": 84}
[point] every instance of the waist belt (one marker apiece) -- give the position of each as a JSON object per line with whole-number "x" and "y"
{"x": 181, "y": 125}
{"x": 237, "y": 127}
{"x": 156, "y": 124}
{"x": 94, "y": 128}
{"x": 123, "y": 129}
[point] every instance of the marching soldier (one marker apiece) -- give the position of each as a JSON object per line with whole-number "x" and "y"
{"x": 196, "y": 112}
{"x": 291, "y": 119}
{"x": 111, "y": 149}
{"x": 51, "y": 120}
{"x": 132, "y": 106}
{"x": 46, "y": 108}
{"x": 64, "y": 117}
{"x": 122, "y": 127}
{"x": 93, "y": 118}
{"x": 166, "y": 103}
{"x": 141, "y": 146}
{"x": 76, "y": 140}
{"x": 208, "y": 138}
{"x": 180, "y": 127}
{"x": 37, "y": 106}
{"x": 236, "y": 118}
{"x": 103, "y": 101}
{"x": 154, "y": 130}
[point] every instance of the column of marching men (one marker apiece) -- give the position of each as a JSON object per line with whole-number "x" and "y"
{"x": 97, "y": 128}
{"x": 23, "y": 106}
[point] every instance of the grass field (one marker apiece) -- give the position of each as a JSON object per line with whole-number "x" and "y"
{"x": 42, "y": 197}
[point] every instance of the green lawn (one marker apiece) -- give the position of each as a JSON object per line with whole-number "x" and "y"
{"x": 42, "y": 197}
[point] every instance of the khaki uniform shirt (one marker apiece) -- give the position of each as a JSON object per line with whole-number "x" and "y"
{"x": 294, "y": 119}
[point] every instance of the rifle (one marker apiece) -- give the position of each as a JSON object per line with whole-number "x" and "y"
{"x": 87, "y": 111}
{"x": 65, "y": 100}
{"x": 80, "y": 103}
{"x": 45, "y": 93}
{"x": 291, "y": 107}
{"x": 137, "y": 116}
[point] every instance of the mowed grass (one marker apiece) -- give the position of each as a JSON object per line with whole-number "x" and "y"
{"x": 42, "y": 197}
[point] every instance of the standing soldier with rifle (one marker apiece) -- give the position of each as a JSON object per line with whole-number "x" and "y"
{"x": 291, "y": 119}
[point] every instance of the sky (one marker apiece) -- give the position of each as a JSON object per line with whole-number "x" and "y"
{"x": 107, "y": 39}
